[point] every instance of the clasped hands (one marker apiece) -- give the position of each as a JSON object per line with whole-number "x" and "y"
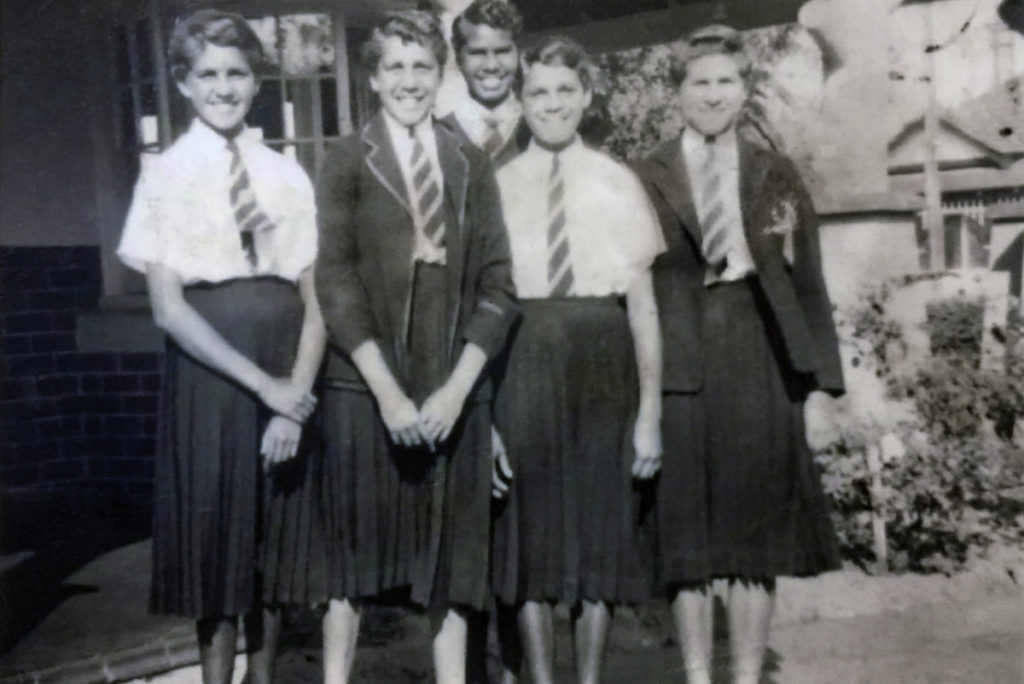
{"x": 430, "y": 424}
{"x": 292, "y": 405}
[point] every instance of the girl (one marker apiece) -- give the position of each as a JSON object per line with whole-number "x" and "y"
{"x": 414, "y": 279}
{"x": 749, "y": 338}
{"x": 577, "y": 422}
{"x": 224, "y": 229}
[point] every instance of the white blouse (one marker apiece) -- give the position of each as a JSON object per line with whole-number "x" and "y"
{"x": 613, "y": 231}
{"x": 181, "y": 215}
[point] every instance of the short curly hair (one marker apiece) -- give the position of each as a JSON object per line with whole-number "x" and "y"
{"x": 192, "y": 34}
{"x": 411, "y": 26}
{"x": 714, "y": 39}
{"x": 498, "y": 14}
{"x": 563, "y": 51}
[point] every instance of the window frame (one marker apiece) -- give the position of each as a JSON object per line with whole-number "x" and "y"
{"x": 114, "y": 176}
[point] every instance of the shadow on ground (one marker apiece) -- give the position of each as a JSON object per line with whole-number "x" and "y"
{"x": 53, "y": 538}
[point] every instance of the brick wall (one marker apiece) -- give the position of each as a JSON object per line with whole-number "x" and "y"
{"x": 69, "y": 418}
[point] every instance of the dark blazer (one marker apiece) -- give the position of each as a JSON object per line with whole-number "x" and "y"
{"x": 796, "y": 294}
{"x": 364, "y": 269}
{"x": 514, "y": 146}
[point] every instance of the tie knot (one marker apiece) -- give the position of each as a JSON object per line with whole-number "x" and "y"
{"x": 709, "y": 140}
{"x": 491, "y": 123}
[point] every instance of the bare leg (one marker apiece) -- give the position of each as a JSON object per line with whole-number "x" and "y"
{"x": 590, "y": 632}
{"x": 261, "y": 630}
{"x": 750, "y": 615}
{"x": 691, "y": 612}
{"x": 341, "y": 631}
{"x": 450, "y": 649}
{"x": 537, "y": 629}
{"x": 217, "y": 639}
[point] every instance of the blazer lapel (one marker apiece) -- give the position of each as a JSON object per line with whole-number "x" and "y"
{"x": 672, "y": 179}
{"x": 455, "y": 168}
{"x": 383, "y": 160}
{"x": 753, "y": 170}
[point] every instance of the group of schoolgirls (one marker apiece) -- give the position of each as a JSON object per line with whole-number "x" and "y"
{"x": 549, "y": 378}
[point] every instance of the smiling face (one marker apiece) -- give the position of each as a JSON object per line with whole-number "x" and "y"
{"x": 220, "y": 85}
{"x": 488, "y": 62}
{"x": 554, "y": 100}
{"x": 712, "y": 93}
{"x": 406, "y": 78}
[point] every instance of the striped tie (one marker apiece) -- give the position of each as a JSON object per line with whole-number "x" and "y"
{"x": 559, "y": 264}
{"x": 426, "y": 193}
{"x": 248, "y": 215}
{"x": 493, "y": 143}
{"x": 715, "y": 232}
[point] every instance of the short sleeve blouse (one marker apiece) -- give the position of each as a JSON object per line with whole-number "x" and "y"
{"x": 181, "y": 214}
{"x": 613, "y": 232}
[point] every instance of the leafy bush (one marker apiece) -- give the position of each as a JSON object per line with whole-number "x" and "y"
{"x": 943, "y": 503}
{"x": 946, "y": 491}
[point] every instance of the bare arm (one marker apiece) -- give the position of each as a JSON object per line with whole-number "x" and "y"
{"x": 175, "y": 316}
{"x": 281, "y": 436}
{"x": 442, "y": 409}
{"x": 313, "y": 338}
{"x": 643, "y": 323}
{"x": 396, "y": 409}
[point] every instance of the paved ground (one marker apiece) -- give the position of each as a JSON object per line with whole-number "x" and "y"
{"x": 982, "y": 643}
{"x": 844, "y": 627}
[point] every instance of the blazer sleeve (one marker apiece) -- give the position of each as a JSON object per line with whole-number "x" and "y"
{"x": 340, "y": 290}
{"x": 810, "y": 284}
{"x": 496, "y": 306}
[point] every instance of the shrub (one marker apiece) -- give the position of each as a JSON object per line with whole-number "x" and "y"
{"x": 945, "y": 496}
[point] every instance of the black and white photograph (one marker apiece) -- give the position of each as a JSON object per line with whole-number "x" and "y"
{"x": 512, "y": 341}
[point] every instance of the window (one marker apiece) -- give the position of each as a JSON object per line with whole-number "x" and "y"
{"x": 304, "y": 100}
{"x": 967, "y": 233}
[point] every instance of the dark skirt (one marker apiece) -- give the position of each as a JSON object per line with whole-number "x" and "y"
{"x": 566, "y": 409}
{"x": 740, "y": 494}
{"x": 401, "y": 519}
{"x": 227, "y": 534}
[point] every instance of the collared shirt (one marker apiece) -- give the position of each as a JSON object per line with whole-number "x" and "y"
{"x": 612, "y": 229}
{"x": 181, "y": 214}
{"x": 696, "y": 147}
{"x": 402, "y": 142}
{"x": 474, "y": 119}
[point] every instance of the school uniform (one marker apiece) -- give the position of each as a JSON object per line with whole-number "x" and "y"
{"x": 748, "y": 333}
{"x": 500, "y": 132}
{"x": 228, "y": 534}
{"x": 407, "y": 518}
{"x": 581, "y": 230}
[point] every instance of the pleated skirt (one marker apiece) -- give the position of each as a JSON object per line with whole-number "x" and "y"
{"x": 228, "y": 534}
{"x": 408, "y": 523}
{"x": 739, "y": 493}
{"x": 569, "y": 528}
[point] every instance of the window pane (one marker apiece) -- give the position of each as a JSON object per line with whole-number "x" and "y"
{"x": 266, "y": 110}
{"x": 121, "y": 58}
{"x": 951, "y": 227}
{"x": 266, "y": 29}
{"x": 144, "y": 47}
{"x": 306, "y": 44}
{"x": 300, "y": 109}
{"x": 329, "y": 106}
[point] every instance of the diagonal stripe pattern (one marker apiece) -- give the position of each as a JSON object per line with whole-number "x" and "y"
{"x": 560, "y": 276}
{"x": 492, "y": 145}
{"x": 248, "y": 215}
{"x": 714, "y": 231}
{"x": 426, "y": 193}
